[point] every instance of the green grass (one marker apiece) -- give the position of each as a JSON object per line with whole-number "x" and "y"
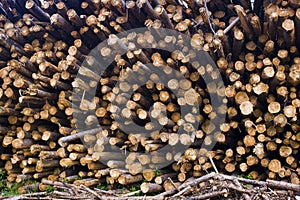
{"x": 102, "y": 186}
{"x": 2, "y": 179}
{"x": 64, "y": 180}
{"x": 10, "y": 189}
{"x": 49, "y": 188}
{"x": 34, "y": 190}
{"x": 248, "y": 176}
{"x": 78, "y": 178}
{"x": 133, "y": 189}
{"x": 136, "y": 188}
{"x": 7, "y": 189}
{"x": 156, "y": 172}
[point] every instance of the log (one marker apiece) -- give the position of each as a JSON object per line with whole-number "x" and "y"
{"x": 128, "y": 179}
{"x": 37, "y": 11}
{"x": 62, "y": 141}
{"x": 150, "y": 188}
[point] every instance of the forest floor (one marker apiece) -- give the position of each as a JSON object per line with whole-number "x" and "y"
{"x": 210, "y": 186}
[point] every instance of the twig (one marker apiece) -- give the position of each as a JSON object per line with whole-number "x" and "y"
{"x": 134, "y": 198}
{"x": 91, "y": 191}
{"x": 273, "y": 191}
{"x": 183, "y": 3}
{"x": 61, "y": 184}
{"x": 206, "y": 171}
{"x": 231, "y": 25}
{"x": 198, "y": 180}
{"x": 171, "y": 181}
{"x": 283, "y": 185}
{"x": 105, "y": 192}
{"x": 21, "y": 197}
{"x": 244, "y": 180}
{"x": 207, "y": 13}
{"x": 239, "y": 189}
{"x": 237, "y": 186}
{"x": 37, "y": 195}
{"x": 213, "y": 164}
{"x": 210, "y": 195}
{"x": 268, "y": 183}
{"x": 60, "y": 194}
{"x": 181, "y": 192}
{"x": 65, "y": 188}
{"x": 188, "y": 184}
{"x": 131, "y": 193}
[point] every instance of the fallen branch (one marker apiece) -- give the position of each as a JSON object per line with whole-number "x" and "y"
{"x": 91, "y": 191}
{"x": 209, "y": 21}
{"x": 231, "y": 25}
{"x": 268, "y": 183}
{"x": 283, "y": 185}
{"x": 210, "y": 195}
{"x": 131, "y": 193}
{"x": 182, "y": 192}
{"x": 37, "y": 195}
{"x": 188, "y": 184}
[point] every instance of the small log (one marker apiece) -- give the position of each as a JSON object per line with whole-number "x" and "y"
{"x": 126, "y": 179}
{"x": 297, "y": 25}
{"x": 89, "y": 182}
{"x": 62, "y": 141}
{"x": 238, "y": 41}
{"x": 244, "y": 21}
{"x": 289, "y": 32}
{"x": 151, "y": 188}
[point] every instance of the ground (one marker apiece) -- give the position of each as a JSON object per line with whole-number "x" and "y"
{"x": 210, "y": 186}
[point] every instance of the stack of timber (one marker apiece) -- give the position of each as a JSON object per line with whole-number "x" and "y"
{"x": 43, "y": 45}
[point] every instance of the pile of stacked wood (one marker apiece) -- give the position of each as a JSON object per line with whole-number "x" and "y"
{"x": 255, "y": 46}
